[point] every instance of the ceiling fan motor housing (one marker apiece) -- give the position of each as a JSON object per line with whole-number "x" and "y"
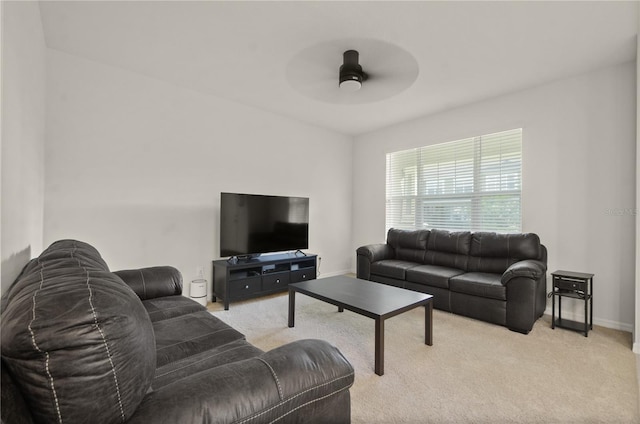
{"x": 351, "y": 69}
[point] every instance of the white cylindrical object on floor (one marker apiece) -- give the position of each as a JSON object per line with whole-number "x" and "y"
{"x": 198, "y": 291}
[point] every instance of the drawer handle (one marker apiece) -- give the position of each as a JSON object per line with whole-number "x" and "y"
{"x": 246, "y": 287}
{"x": 304, "y": 275}
{"x": 277, "y": 281}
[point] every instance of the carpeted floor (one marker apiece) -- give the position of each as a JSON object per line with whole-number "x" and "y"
{"x": 475, "y": 371}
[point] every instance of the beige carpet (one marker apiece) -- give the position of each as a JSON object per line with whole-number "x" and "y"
{"x": 475, "y": 372}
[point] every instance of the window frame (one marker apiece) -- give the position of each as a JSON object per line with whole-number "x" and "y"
{"x": 460, "y": 177}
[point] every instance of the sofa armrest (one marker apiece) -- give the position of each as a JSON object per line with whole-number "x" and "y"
{"x": 528, "y": 268}
{"x": 376, "y": 252}
{"x": 526, "y": 285}
{"x": 368, "y": 254}
{"x": 303, "y": 381}
{"x": 152, "y": 282}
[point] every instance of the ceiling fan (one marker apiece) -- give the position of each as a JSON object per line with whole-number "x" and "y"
{"x": 388, "y": 70}
{"x": 351, "y": 74}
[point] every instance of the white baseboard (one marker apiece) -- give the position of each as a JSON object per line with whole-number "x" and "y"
{"x": 334, "y": 273}
{"x": 615, "y": 325}
{"x": 636, "y": 348}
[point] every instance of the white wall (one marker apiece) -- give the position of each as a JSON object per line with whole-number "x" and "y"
{"x": 23, "y": 126}
{"x": 578, "y": 175}
{"x": 135, "y": 166}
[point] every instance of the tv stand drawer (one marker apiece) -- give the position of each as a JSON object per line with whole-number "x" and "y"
{"x": 275, "y": 281}
{"x": 245, "y": 287}
{"x": 303, "y": 274}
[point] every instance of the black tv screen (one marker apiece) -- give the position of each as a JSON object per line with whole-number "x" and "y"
{"x": 251, "y": 224}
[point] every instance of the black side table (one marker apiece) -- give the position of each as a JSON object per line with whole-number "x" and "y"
{"x": 576, "y": 285}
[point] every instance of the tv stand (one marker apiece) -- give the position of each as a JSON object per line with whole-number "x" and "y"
{"x": 259, "y": 276}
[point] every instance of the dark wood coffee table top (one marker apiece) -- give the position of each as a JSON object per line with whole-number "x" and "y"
{"x": 373, "y": 300}
{"x": 364, "y": 297}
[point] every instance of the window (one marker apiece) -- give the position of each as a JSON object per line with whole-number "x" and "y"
{"x": 472, "y": 184}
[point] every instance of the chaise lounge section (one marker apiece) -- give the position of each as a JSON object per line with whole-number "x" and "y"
{"x": 498, "y": 278}
{"x": 83, "y": 344}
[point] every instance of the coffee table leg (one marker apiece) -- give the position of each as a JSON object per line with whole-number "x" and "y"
{"x": 379, "y": 361}
{"x": 292, "y": 307}
{"x": 428, "y": 323}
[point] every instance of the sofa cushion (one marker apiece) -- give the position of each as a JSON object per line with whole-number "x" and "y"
{"x": 416, "y": 239}
{"x": 187, "y": 335}
{"x": 492, "y": 252}
{"x": 14, "y": 406}
{"x": 408, "y": 245}
{"x": 452, "y": 242}
{"x": 479, "y": 284}
{"x": 71, "y": 250}
{"x": 77, "y": 339}
{"x": 448, "y": 249}
{"x": 432, "y": 275}
{"x": 167, "y": 307}
{"x": 237, "y": 350}
{"x": 392, "y": 268}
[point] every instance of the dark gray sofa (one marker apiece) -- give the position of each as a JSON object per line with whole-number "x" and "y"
{"x": 83, "y": 344}
{"x": 499, "y": 278}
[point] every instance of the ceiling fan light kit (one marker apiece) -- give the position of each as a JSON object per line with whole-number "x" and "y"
{"x": 350, "y": 85}
{"x": 351, "y": 74}
{"x": 390, "y": 70}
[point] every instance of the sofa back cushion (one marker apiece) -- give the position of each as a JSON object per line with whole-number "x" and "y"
{"x": 449, "y": 249}
{"x": 492, "y": 252}
{"x": 408, "y": 245}
{"x": 76, "y": 338}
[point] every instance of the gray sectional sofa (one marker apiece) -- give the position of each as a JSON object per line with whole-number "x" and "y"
{"x": 83, "y": 344}
{"x": 499, "y": 278}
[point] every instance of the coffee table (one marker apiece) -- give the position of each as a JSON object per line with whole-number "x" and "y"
{"x": 373, "y": 300}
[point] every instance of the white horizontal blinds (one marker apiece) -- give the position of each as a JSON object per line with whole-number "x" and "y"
{"x": 470, "y": 184}
{"x": 448, "y": 181}
{"x": 402, "y": 189}
{"x": 499, "y": 182}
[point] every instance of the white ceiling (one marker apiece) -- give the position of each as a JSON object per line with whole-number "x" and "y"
{"x": 466, "y": 51}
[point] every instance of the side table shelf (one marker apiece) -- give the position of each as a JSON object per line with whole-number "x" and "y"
{"x": 574, "y": 285}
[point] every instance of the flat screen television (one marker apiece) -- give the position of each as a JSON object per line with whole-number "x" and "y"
{"x": 252, "y": 224}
